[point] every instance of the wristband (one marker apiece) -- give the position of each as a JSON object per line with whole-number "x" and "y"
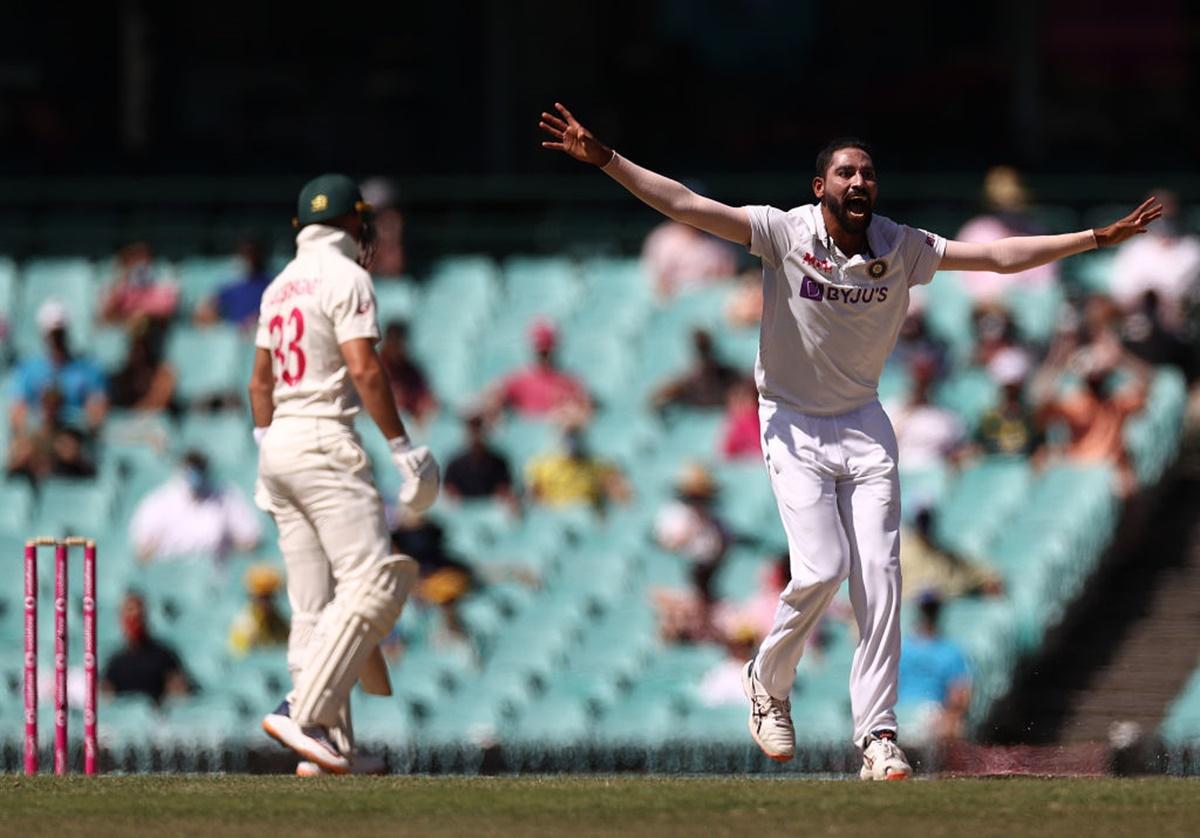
{"x": 1095, "y": 241}
{"x": 400, "y": 445}
{"x": 611, "y": 160}
{"x": 259, "y": 433}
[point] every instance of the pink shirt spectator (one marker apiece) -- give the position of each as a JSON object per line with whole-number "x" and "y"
{"x": 679, "y": 258}
{"x": 741, "y": 438}
{"x": 540, "y": 390}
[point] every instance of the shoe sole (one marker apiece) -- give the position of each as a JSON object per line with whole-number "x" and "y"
{"x": 748, "y": 689}
{"x": 891, "y": 777}
{"x": 292, "y": 738}
{"x": 310, "y": 769}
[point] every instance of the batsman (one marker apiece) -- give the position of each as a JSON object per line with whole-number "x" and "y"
{"x": 315, "y": 364}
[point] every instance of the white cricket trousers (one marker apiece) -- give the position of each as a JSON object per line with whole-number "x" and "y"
{"x": 332, "y": 529}
{"x": 836, "y": 483}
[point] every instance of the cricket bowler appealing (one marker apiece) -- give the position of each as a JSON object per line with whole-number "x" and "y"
{"x": 315, "y": 362}
{"x": 836, "y": 282}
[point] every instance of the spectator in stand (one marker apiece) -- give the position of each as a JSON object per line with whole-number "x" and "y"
{"x": 237, "y": 302}
{"x": 543, "y": 390}
{"x": 741, "y": 437}
{"x": 926, "y": 434}
{"x": 146, "y": 381}
{"x": 1094, "y": 414}
{"x": 1146, "y": 335}
{"x": 994, "y": 333}
{"x": 410, "y": 387}
{"x": 390, "y": 260}
{"x": 443, "y": 580}
{"x": 745, "y": 305}
{"x": 914, "y": 340}
{"x": 1166, "y": 262}
{"x": 78, "y": 379}
{"x": 1006, "y": 202}
{"x": 935, "y": 679}
{"x": 721, "y": 685}
{"x": 479, "y": 471}
{"x": 690, "y": 528}
{"x": 191, "y": 514}
{"x": 144, "y": 664}
{"x": 925, "y": 567}
{"x": 706, "y": 383}
{"x": 260, "y": 624}
{"x": 679, "y": 258}
{"x": 757, "y": 612}
{"x": 49, "y": 448}
{"x": 571, "y": 476}
{"x": 136, "y": 290}
{"x": 1011, "y": 427}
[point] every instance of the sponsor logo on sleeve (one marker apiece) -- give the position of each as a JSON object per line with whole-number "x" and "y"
{"x": 929, "y": 240}
{"x": 810, "y": 289}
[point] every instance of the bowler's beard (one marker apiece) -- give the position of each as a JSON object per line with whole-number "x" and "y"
{"x": 848, "y": 223}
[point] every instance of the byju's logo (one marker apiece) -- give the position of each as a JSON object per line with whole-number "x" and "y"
{"x": 810, "y": 289}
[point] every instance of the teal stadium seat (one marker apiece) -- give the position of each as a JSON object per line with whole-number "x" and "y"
{"x": 73, "y": 282}
{"x": 200, "y": 277}
{"x": 397, "y": 299}
{"x": 947, "y": 312}
{"x": 76, "y": 507}
{"x": 208, "y": 362}
{"x": 979, "y": 502}
{"x": 538, "y": 286}
{"x": 970, "y": 393}
{"x": 16, "y": 510}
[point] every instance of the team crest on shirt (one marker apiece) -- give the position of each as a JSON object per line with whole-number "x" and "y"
{"x": 877, "y": 268}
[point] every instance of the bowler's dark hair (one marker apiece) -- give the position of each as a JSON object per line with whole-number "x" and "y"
{"x": 826, "y": 154}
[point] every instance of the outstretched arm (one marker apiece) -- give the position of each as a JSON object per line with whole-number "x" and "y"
{"x": 670, "y": 197}
{"x": 1019, "y": 253}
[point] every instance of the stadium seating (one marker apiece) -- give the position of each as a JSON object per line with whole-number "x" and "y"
{"x": 565, "y": 646}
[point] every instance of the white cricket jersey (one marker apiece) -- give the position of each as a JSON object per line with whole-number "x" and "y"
{"x": 322, "y": 299}
{"x": 829, "y": 323}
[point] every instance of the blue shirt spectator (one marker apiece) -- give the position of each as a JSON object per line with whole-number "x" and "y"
{"x": 237, "y": 302}
{"x": 935, "y": 680}
{"x": 930, "y": 667}
{"x": 79, "y": 380}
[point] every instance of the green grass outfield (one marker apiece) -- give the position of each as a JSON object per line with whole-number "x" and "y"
{"x": 164, "y": 805}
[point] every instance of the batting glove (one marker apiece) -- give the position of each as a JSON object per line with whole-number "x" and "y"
{"x": 422, "y": 477}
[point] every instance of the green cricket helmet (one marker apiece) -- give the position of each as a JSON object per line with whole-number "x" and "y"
{"x": 331, "y": 196}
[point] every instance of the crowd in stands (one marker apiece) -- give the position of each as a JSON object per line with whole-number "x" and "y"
{"x": 1064, "y": 398}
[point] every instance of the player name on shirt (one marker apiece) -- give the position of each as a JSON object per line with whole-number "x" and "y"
{"x": 292, "y": 288}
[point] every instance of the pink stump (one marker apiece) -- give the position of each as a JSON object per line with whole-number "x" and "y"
{"x": 90, "y": 751}
{"x": 31, "y": 690}
{"x": 60, "y": 658}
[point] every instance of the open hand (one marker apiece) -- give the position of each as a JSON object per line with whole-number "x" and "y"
{"x": 1129, "y": 226}
{"x": 573, "y": 138}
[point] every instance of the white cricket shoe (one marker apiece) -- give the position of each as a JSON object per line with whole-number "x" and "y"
{"x": 311, "y": 743}
{"x": 770, "y": 718}
{"x": 359, "y": 764}
{"x": 883, "y": 760}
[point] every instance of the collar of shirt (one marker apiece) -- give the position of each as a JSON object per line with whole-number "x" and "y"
{"x": 315, "y": 236}
{"x": 874, "y": 239}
